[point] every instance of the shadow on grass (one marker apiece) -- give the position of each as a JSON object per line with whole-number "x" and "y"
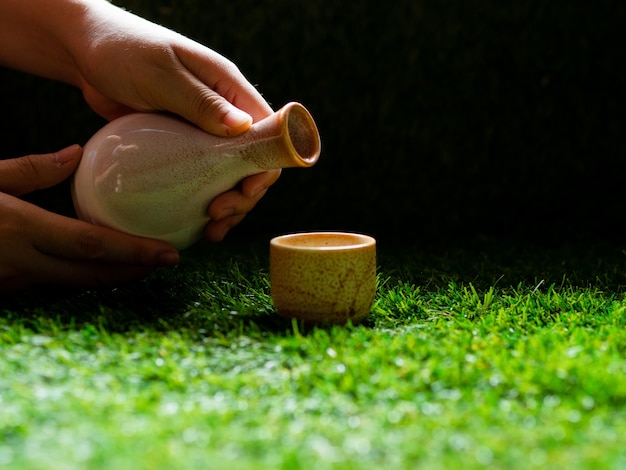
{"x": 224, "y": 290}
{"x": 215, "y": 290}
{"x": 152, "y": 304}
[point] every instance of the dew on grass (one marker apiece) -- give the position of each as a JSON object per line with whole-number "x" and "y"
{"x": 537, "y": 457}
{"x": 574, "y": 416}
{"x": 495, "y": 380}
{"x": 358, "y": 445}
{"x": 83, "y": 450}
{"x": 452, "y": 394}
{"x": 552, "y": 401}
{"x": 431, "y": 409}
{"x": 6, "y": 455}
{"x": 588, "y": 403}
{"x": 169, "y": 408}
{"x": 484, "y": 455}
{"x": 574, "y": 351}
{"x": 324, "y": 449}
{"x": 530, "y": 403}
{"x": 39, "y": 340}
{"x": 354, "y": 422}
{"x": 459, "y": 442}
{"x": 505, "y": 405}
{"x": 529, "y": 422}
{"x": 190, "y": 435}
{"x": 394, "y": 416}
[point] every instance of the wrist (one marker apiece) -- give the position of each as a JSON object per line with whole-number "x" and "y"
{"x": 41, "y": 36}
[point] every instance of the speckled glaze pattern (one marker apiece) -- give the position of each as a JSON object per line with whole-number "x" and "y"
{"x": 323, "y": 277}
{"x": 154, "y": 175}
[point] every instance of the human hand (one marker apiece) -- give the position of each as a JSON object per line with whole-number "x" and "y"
{"x": 40, "y": 247}
{"x": 230, "y": 208}
{"x": 129, "y": 64}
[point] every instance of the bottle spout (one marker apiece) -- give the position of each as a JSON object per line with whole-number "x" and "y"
{"x": 286, "y": 139}
{"x": 302, "y": 133}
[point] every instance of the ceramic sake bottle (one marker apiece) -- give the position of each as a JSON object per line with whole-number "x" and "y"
{"x": 154, "y": 175}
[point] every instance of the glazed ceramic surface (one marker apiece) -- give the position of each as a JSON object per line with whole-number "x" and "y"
{"x": 323, "y": 277}
{"x": 154, "y": 175}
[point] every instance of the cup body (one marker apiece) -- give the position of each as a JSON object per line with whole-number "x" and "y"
{"x": 323, "y": 277}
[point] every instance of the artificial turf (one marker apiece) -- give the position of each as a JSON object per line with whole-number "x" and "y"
{"x": 481, "y": 354}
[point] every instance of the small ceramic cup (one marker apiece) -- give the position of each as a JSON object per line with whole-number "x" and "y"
{"x": 323, "y": 277}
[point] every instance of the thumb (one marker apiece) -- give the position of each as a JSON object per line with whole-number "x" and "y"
{"x": 218, "y": 116}
{"x": 23, "y": 175}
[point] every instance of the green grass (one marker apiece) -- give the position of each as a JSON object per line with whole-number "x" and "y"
{"x": 486, "y": 355}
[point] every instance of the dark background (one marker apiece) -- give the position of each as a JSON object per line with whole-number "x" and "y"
{"x": 438, "y": 118}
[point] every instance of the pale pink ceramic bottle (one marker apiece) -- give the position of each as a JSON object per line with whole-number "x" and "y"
{"x": 154, "y": 175}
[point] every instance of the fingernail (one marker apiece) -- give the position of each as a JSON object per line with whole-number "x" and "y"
{"x": 169, "y": 258}
{"x": 65, "y": 155}
{"x": 237, "y": 119}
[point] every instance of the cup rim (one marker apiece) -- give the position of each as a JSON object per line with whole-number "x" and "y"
{"x": 363, "y": 241}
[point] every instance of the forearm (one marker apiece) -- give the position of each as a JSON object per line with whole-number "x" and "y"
{"x": 40, "y": 36}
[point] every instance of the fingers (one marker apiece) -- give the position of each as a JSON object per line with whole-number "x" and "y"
{"x": 236, "y": 202}
{"x": 77, "y": 240}
{"x": 23, "y": 175}
{"x": 215, "y": 95}
{"x": 255, "y": 184}
{"x": 165, "y": 71}
{"x": 105, "y": 107}
{"x": 41, "y": 247}
{"x": 213, "y": 113}
{"x": 229, "y": 209}
{"x": 216, "y": 230}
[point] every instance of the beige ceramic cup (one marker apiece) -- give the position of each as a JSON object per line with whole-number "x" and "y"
{"x": 323, "y": 277}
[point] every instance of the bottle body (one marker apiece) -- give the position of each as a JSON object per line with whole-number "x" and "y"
{"x": 154, "y": 175}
